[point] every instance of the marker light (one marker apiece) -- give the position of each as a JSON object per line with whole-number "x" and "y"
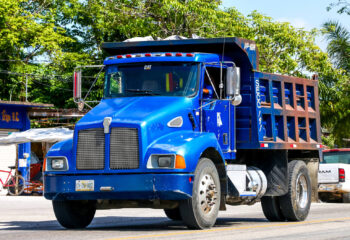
{"x": 44, "y": 165}
{"x": 189, "y": 55}
{"x": 120, "y": 56}
{"x": 180, "y": 162}
{"x": 178, "y": 54}
{"x": 168, "y": 54}
{"x": 128, "y": 55}
{"x": 148, "y": 55}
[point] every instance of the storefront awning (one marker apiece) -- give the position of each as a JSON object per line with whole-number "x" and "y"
{"x": 50, "y": 135}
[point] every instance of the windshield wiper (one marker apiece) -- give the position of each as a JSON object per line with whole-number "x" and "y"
{"x": 142, "y": 92}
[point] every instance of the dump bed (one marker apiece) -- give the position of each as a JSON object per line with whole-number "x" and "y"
{"x": 277, "y": 112}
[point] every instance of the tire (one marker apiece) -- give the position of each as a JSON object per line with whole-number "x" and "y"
{"x": 13, "y": 188}
{"x": 74, "y": 214}
{"x": 201, "y": 210}
{"x": 173, "y": 214}
{"x": 346, "y": 197}
{"x": 271, "y": 208}
{"x": 295, "y": 205}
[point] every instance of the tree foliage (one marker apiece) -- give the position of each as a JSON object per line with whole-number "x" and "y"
{"x": 68, "y": 33}
{"x": 336, "y": 103}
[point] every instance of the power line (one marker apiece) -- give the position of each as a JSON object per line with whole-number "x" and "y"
{"x": 37, "y": 61}
{"x": 50, "y": 77}
{"x": 36, "y": 75}
{"x": 58, "y": 77}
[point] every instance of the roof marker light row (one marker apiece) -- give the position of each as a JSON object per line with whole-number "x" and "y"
{"x": 153, "y": 55}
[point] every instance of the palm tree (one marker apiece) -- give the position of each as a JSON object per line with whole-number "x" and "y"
{"x": 335, "y": 112}
{"x": 339, "y": 44}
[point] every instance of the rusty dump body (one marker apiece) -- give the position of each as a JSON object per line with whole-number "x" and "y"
{"x": 277, "y": 111}
{"x": 285, "y": 113}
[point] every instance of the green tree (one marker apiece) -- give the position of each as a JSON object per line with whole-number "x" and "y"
{"x": 33, "y": 44}
{"x": 72, "y": 32}
{"x": 336, "y": 103}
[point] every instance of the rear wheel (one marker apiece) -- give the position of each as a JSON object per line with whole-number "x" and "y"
{"x": 74, "y": 214}
{"x": 15, "y": 185}
{"x": 346, "y": 197}
{"x": 173, "y": 214}
{"x": 201, "y": 211}
{"x": 271, "y": 208}
{"x": 295, "y": 205}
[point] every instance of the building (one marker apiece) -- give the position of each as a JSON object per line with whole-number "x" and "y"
{"x": 14, "y": 116}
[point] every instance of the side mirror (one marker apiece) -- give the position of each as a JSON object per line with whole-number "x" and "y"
{"x": 233, "y": 85}
{"x": 77, "y": 85}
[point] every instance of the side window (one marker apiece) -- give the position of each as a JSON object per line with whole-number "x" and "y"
{"x": 116, "y": 83}
{"x": 211, "y": 89}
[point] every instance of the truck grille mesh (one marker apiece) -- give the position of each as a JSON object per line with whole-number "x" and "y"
{"x": 124, "y": 148}
{"x": 91, "y": 149}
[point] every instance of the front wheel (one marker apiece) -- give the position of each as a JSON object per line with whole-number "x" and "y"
{"x": 15, "y": 185}
{"x": 74, "y": 214}
{"x": 201, "y": 211}
{"x": 295, "y": 205}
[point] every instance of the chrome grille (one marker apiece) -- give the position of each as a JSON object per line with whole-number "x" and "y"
{"x": 91, "y": 149}
{"x": 124, "y": 148}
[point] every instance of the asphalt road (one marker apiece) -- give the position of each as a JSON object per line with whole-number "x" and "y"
{"x": 33, "y": 218}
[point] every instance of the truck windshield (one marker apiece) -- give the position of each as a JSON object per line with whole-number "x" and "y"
{"x": 151, "y": 79}
{"x": 336, "y": 157}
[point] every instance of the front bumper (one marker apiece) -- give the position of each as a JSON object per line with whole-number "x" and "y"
{"x": 124, "y": 187}
{"x": 334, "y": 187}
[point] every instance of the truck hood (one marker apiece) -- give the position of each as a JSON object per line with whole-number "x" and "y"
{"x": 149, "y": 113}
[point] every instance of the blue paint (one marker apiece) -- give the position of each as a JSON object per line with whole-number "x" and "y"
{"x": 129, "y": 187}
{"x": 262, "y": 117}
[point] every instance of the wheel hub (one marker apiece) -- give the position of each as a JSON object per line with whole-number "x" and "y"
{"x": 207, "y": 193}
{"x": 301, "y": 191}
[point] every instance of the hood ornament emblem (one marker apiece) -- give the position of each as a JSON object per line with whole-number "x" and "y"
{"x": 106, "y": 122}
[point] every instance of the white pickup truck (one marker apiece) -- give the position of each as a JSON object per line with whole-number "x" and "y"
{"x": 334, "y": 175}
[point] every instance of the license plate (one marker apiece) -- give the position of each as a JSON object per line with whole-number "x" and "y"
{"x": 84, "y": 185}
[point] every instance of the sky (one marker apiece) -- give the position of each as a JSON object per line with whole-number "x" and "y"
{"x": 305, "y": 14}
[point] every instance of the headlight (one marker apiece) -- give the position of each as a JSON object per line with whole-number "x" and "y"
{"x": 56, "y": 164}
{"x": 166, "y": 161}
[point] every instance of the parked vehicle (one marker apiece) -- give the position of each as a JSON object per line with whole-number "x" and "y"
{"x": 334, "y": 175}
{"x": 189, "y": 126}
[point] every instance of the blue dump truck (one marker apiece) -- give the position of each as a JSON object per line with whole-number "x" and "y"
{"x": 189, "y": 126}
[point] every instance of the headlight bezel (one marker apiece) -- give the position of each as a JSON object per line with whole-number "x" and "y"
{"x": 153, "y": 161}
{"x": 49, "y": 164}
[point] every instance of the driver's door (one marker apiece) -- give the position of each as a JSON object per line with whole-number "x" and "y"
{"x": 215, "y": 110}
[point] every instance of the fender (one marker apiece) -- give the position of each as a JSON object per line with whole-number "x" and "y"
{"x": 63, "y": 148}
{"x": 188, "y": 144}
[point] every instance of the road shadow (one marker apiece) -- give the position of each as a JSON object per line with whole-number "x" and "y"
{"x": 121, "y": 224}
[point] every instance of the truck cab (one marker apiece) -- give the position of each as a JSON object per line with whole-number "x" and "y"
{"x": 188, "y": 126}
